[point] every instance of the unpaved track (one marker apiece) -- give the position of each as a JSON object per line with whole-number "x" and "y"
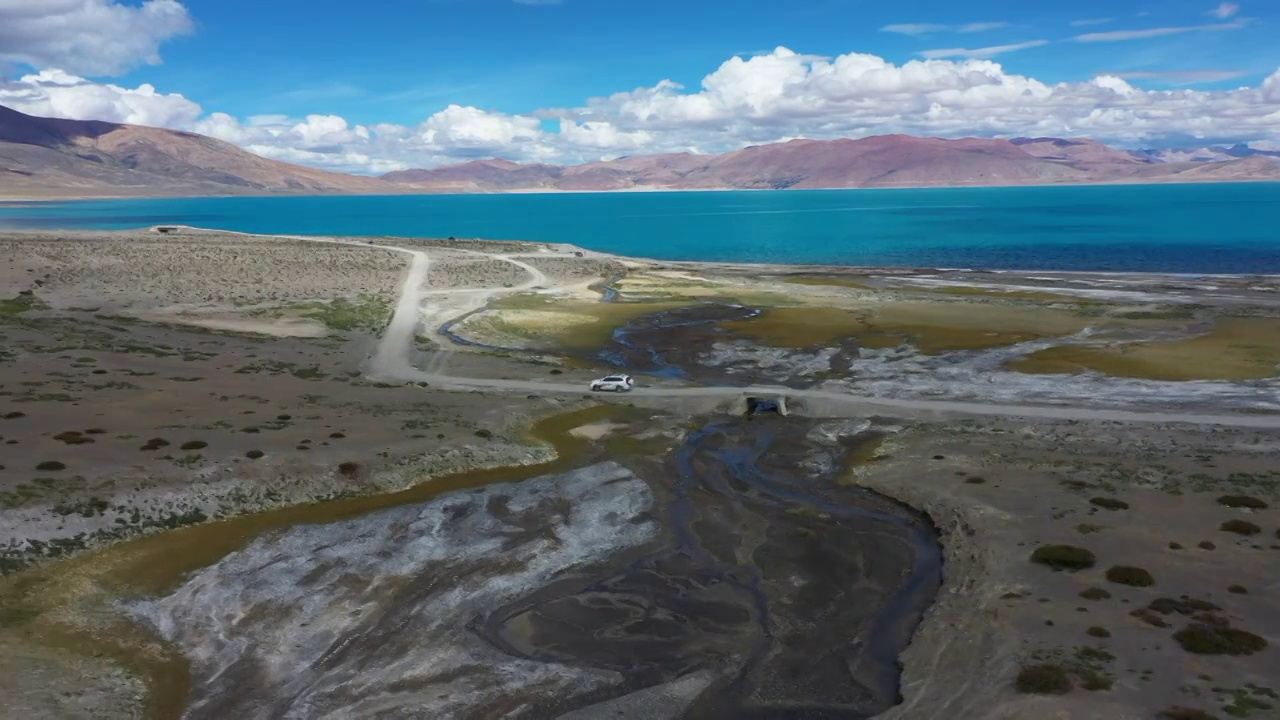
{"x": 391, "y": 363}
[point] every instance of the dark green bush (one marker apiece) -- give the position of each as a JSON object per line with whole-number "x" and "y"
{"x": 1240, "y": 527}
{"x": 194, "y": 445}
{"x": 1202, "y": 639}
{"x": 71, "y": 437}
{"x": 1242, "y": 501}
{"x": 1063, "y": 557}
{"x": 1238, "y": 590}
{"x": 1182, "y": 606}
{"x": 1109, "y": 503}
{"x": 1098, "y": 632}
{"x": 1178, "y": 712}
{"x": 1131, "y": 576}
{"x": 51, "y": 466}
{"x": 1043, "y": 680}
{"x": 254, "y": 454}
{"x": 1095, "y": 593}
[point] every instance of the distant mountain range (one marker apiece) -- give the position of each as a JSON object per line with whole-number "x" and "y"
{"x": 42, "y": 157}
{"x": 883, "y": 161}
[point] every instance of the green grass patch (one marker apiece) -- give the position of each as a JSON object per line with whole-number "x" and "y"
{"x": 13, "y": 307}
{"x": 366, "y": 312}
{"x": 1236, "y": 349}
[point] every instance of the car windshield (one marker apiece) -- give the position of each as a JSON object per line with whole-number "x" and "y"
{"x": 612, "y": 379}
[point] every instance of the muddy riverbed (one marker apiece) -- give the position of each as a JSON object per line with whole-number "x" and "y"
{"x": 735, "y": 578}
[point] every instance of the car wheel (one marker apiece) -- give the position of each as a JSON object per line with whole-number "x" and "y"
{"x": 620, "y": 388}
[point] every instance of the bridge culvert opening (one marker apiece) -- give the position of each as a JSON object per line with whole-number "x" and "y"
{"x": 763, "y": 406}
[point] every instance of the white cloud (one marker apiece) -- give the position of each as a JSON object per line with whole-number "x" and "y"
{"x": 982, "y": 27}
{"x": 88, "y": 37}
{"x": 930, "y": 28}
{"x": 1182, "y": 77}
{"x": 1224, "y": 10}
{"x": 54, "y": 93}
{"x": 1117, "y": 35}
{"x": 1087, "y": 22}
{"x": 986, "y": 52}
{"x": 913, "y": 28}
{"x": 747, "y": 100}
{"x": 1271, "y": 88}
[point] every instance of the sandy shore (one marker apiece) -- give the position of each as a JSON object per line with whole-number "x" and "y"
{"x": 155, "y": 382}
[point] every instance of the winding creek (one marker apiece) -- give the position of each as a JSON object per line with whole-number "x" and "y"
{"x": 736, "y": 567}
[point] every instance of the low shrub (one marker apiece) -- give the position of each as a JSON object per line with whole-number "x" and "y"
{"x": 1043, "y": 680}
{"x": 1238, "y": 590}
{"x": 71, "y": 437}
{"x": 155, "y": 444}
{"x": 1242, "y": 501}
{"x": 194, "y": 445}
{"x": 1202, "y": 639}
{"x": 1206, "y": 545}
{"x": 1108, "y": 503}
{"x": 1175, "y": 546}
{"x": 1177, "y": 712}
{"x": 95, "y": 431}
{"x": 484, "y": 434}
{"x": 1063, "y": 557}
{"x": 349, "y": 469}
{"x": 1131, "y": 576}
{"x": 975, "y": 480}
{"x": 1098, "y": 632}
{"x": 337, "y": 435}
{"x": 1095, "y": 593}
{"x": 254, "y": 454}
{"x": 1183, "y": 606}
{"x": 1150, "y": 618}
{"x": 13, "y": 415}
{"x": 51, "y": 466}
{"x": 1240, "y": 527}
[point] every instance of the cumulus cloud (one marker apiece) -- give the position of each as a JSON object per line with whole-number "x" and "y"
{"x": 747, "y": 100}
{"x": 54, "y": 93}
{"x": 1271, "y": 88}
{"x": 88, "y": 37}
{"x": 1183, "y": 77}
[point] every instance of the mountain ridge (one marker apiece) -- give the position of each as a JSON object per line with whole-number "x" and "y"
{"x": 52, "y": 158}
{"x": 877, "y": 161}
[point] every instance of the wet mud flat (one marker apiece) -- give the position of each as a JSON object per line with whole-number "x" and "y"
{"x": 697, "y": 343}
{"x": 735, "y": 578}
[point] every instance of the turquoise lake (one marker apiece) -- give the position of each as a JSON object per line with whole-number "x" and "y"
{"x": 1218, "y": 228}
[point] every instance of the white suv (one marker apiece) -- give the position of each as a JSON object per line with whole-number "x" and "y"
{"x": 613, "y": 383}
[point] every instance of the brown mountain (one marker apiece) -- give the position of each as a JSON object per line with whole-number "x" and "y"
{"x": 883, "y": 161}
{"x": 44, "y": 157}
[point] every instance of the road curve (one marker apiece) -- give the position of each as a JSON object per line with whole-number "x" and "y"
{"x": 391, "y": 362}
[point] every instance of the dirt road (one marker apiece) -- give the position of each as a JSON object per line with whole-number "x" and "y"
{"x": 391, "y": 363}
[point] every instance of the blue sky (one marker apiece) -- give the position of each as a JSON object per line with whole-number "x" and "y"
{"x": 401, "y": 60}
{"x": 392, "y": 83}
